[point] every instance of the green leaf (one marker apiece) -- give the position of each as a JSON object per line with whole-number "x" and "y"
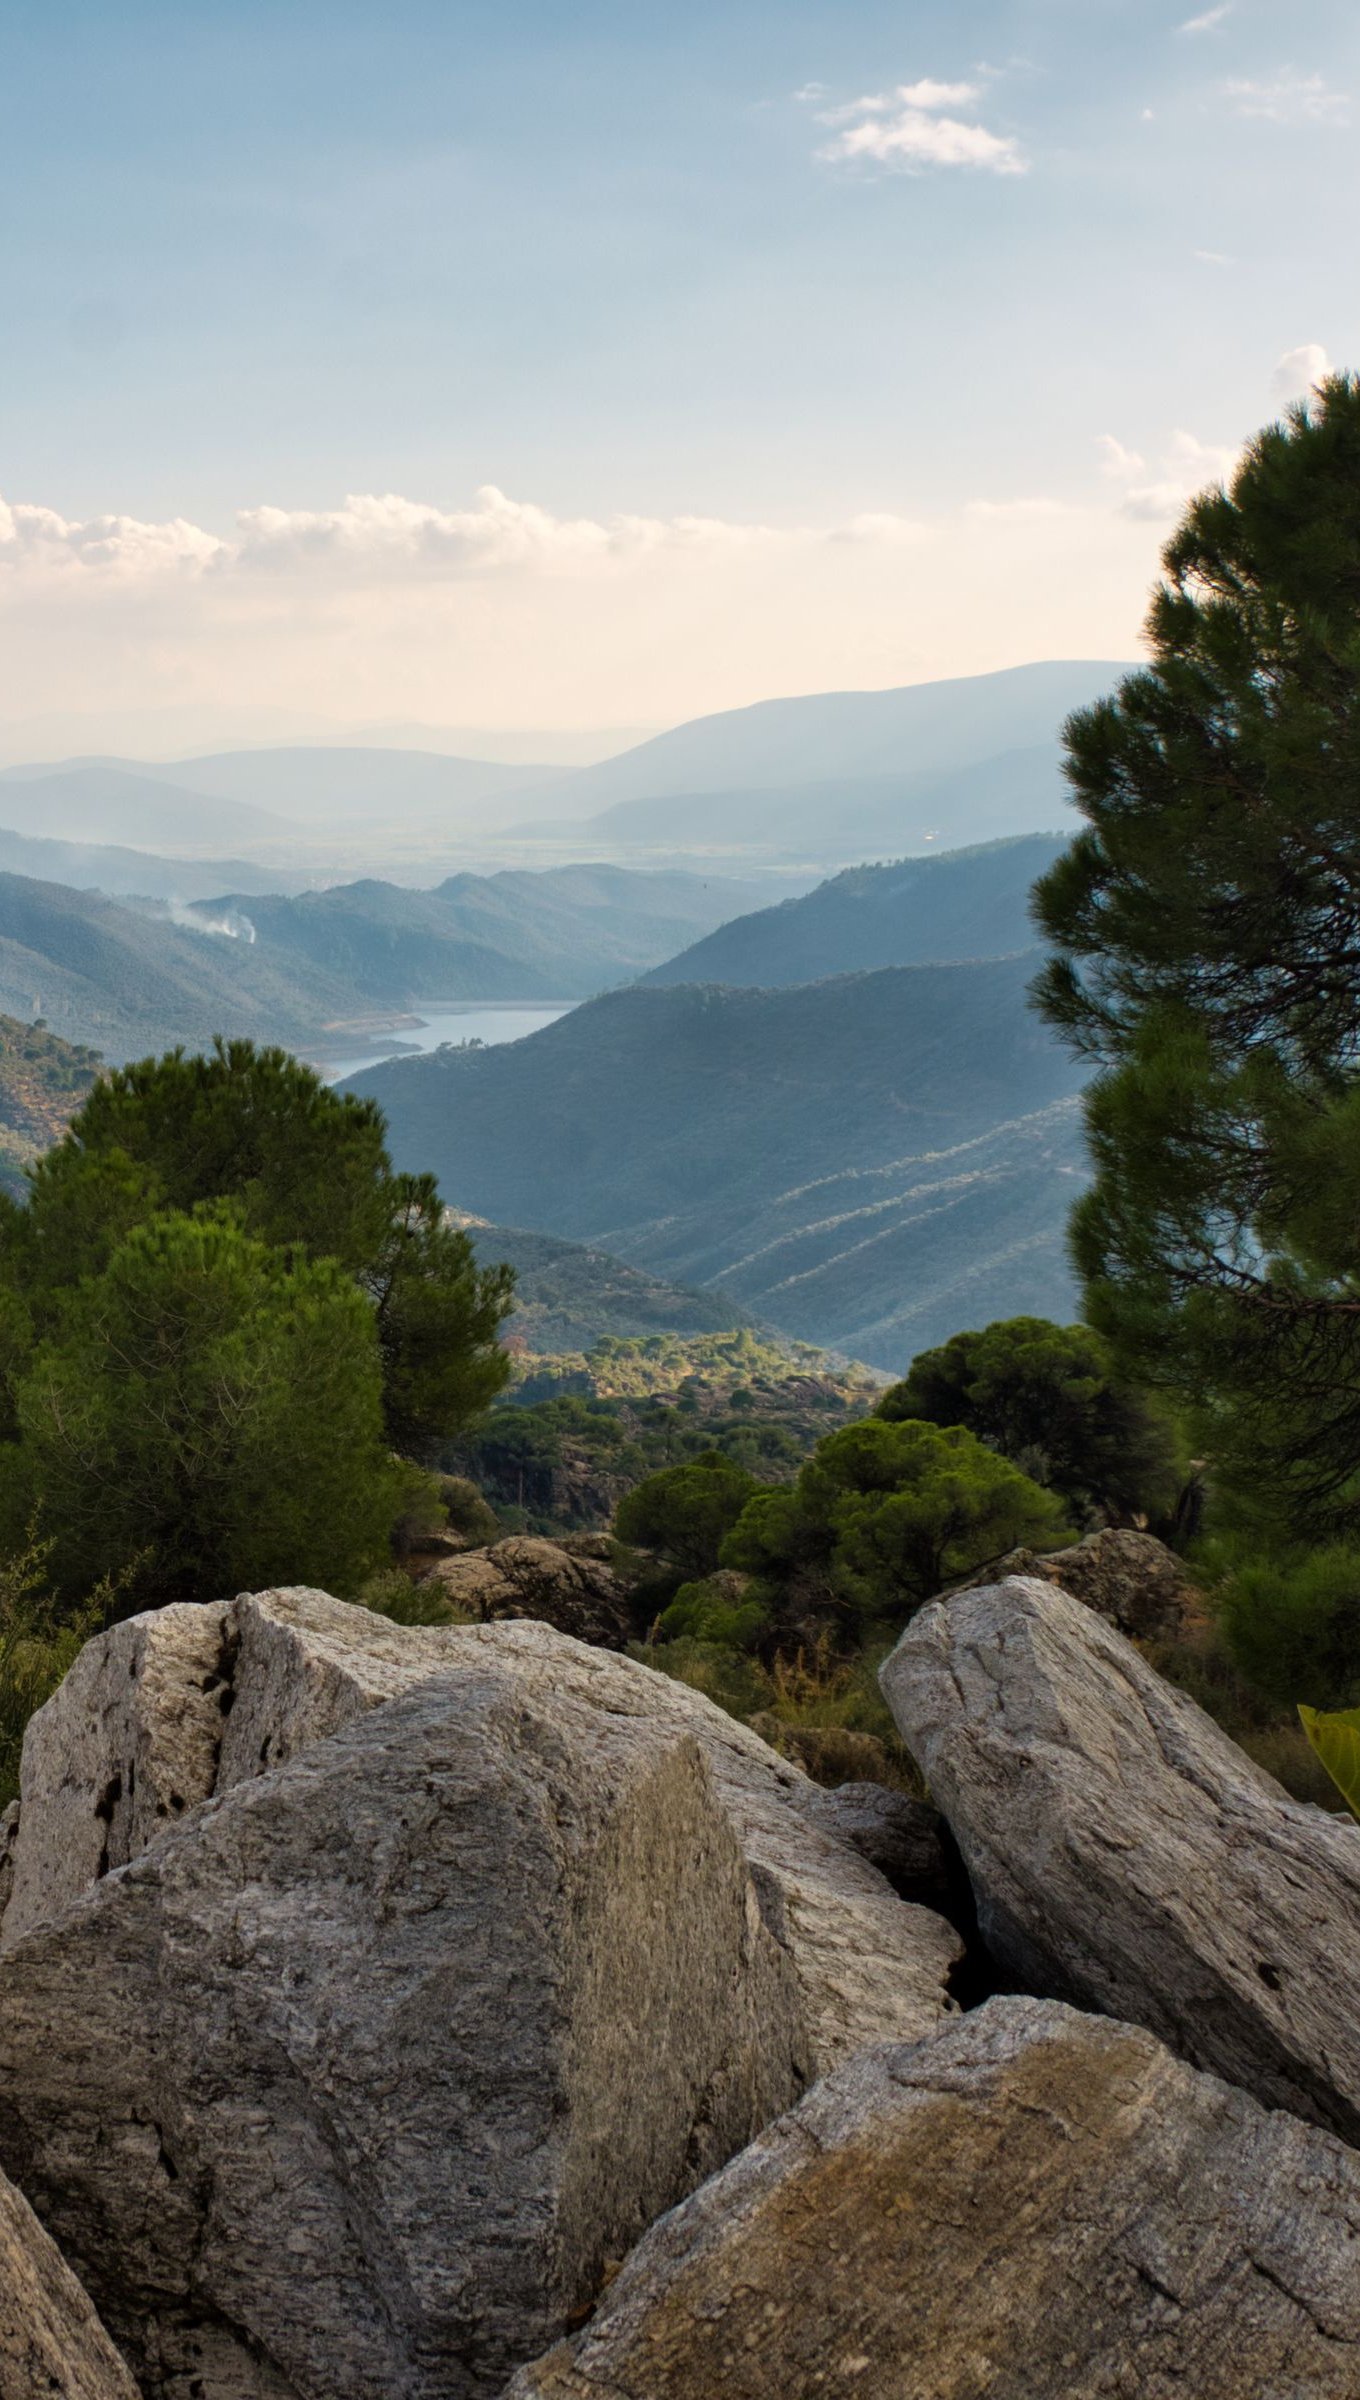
{"x": 1335, "y": 1735}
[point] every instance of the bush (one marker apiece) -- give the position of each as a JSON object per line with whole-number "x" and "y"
{"x": 883, "y": 1516}
{"x": 732, "y": 1681}
{"x": 1293, "y": 1626}
{"x": 36, "y": 1648}
{"x": 392, "y": 1594}
{"x": 721, "y": 1608}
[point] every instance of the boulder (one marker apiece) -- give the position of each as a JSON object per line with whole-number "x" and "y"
{"x": 525, "y": 1576}
{"x": 301, "y": 1665}
{"x": 1126, "y": 1855}
{"x": 352, "y": 2081}
{"x": 51, "y": 2341}
{"x": 1127, "y": 1577}
{"x": 129, "y": 1742}
{"x": 1035, "y": 2205}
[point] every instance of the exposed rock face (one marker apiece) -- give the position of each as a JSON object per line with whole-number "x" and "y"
{"x": 51, "y": 2341}
{"x": 525, "y": 1576}
{"x": 352, "y": 2081}
{"x": 128, "y": 1743}
{"x": 1032, "y": 2206}
{"x": 1127, "y": 1577}
{"x": 302, "y": 1665}
{"x": 1126, "y": 1855}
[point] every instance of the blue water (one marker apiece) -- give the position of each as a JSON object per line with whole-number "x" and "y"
{"x": 471, "y": 1020}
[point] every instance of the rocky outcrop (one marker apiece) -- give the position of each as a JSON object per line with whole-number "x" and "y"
{"x": 1129, "y": 1578}
{"x": 354, "y": 2079}
{"x": 525, "y": 1576}
{"x": 1126, "y": 1855}
{"x": 1035, "y": 2205}
{"x": 51, "y": 2341}
{"x": 301, "y": 1665}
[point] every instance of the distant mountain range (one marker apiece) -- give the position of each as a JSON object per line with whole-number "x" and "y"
{"x": 841, "y": 776}
{"x": 966, "y": 904}
{"x": 820, "y": 780}
{"x": 106, "y": 867}
{"x": 132, "y": 979}
{"x": 867, "y": 1162}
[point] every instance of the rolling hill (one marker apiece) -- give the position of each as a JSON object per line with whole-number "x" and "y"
{"x": 960, "y": 904}
{"x": 866, "y": 1163}
{"x": 130, "y": 979}
{"x": 555, "y": 934}
{"x": 97, "y": 802}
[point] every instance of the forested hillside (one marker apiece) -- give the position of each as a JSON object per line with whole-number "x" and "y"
{"x": 864, "y": 1162}
{"x": 963, "y": 904}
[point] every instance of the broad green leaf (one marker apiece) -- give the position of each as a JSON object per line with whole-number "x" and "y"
{"x": 1335, "y": 1735}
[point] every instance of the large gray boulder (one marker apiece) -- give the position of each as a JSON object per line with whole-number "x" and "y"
{"x": 355, "y": 2078}
{"x": 171, "y": 1708}
{"x": 1126, "y": 1855}
{"x": 51, "y": 2341}
{"x": 1035, "y": 2205}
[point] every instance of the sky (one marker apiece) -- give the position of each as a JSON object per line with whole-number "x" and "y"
{"x": 572, "y": 369}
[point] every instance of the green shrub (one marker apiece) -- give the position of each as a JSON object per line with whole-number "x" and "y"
{"x": 36, "y": 1648}
{"x": 727, "y": 1677}
{"x": 390, "y": 1593}
{"x": 1293, "y": 1626}
{"x": 721, "y": 1608}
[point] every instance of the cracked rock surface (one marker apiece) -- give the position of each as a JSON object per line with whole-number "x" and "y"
{"x": 353, "y": 2080}
{"x": 1034, "y": 2205}
{"x": 51, "y": 2341}
{"x": 191, "y": 1701}
{"x": 1127, "y": 1856}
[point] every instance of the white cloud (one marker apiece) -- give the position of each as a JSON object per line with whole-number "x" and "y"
{"x": 370, "y": 536}
{"x": 1209, "y": 22}
{"x": 1298, "y": 372}
{"x": 1116, "y": 460}
{"x": 118, "y": 546}
{"x": 1185, "y": 466}
{"x": 1290, "y": 99}
{"x": 1213, "y": 258}
{"x": 904, "y": 128}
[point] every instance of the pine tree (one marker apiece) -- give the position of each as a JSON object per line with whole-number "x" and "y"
{"x": 1206, "y": 927}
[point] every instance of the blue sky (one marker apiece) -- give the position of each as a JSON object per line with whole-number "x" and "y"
{"x": 847, "y": 305}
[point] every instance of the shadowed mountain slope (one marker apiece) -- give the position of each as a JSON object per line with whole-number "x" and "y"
{"x": 865, "y": 1162}
{"x": 964, "y": 904}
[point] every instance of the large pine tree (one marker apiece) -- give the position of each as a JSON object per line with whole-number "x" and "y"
{"x": 1206, "y": 931}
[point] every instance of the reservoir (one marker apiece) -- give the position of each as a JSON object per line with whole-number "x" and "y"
{"x": 457, "y": 1021}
